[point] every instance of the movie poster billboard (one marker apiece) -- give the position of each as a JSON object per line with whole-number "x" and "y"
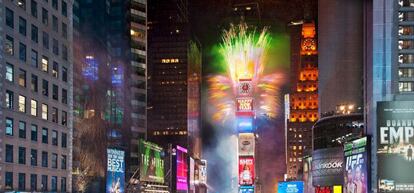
{"x": 327, "y": 167}
{"x": 246, "y": 170}
{"x": 290, "y": 187}
{"x": 115, "y": 176}
{"x": 246, "y": 144}
{"x": 307, "y": 175}
{"x": 152, "y": 162}
{"x": 182, "y": 168}
{"x": 395, "y": 143}
{"x": 356, "y": 166}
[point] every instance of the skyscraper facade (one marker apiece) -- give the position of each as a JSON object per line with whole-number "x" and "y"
{"x": 36, "y": 65}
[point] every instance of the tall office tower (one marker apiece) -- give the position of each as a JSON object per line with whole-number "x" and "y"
{"x": 303, "y": 98}
{"x": 174, "y": 77}
{"x": 126, "y": 40}
{"x": 36, "y": 62}
{"x": 92, "y": 86}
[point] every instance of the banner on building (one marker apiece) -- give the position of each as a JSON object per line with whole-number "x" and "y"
{"x": 182, "y": 168}
{"x": 115, "y": 175}
{"x": 246, "y": 189}
{"x": 395, "y": 146}
{"x": 245, "y": 87}
{"x": 151, "y": 162}
{"x": 356, "y": 173}
{"x": 246, "y": 170}
{"x": 327, "y": 167}
{"x": 290, "y": 187}
{"x": 244, "y": 105}
{"x": 246, "y": 144}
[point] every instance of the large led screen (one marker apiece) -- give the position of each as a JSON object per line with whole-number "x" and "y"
{"x": 290, "y": 187}
{"x": 395, "y": 143}
{"x": 356, "y": 166}
{"x": 327, "y": 167}
{"x": 115, "y": 176}
{"x": 246, "y": 144}
{"x": 246, "y": 170}
{"x": 244, "y": 124}
{"x": 182, "y": 169}
{"x": 152, "y": 163}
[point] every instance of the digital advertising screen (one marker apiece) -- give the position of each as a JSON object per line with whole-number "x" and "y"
{"x": 182, "y": 168}
{"x": 246, "y": 170}
{"x": 244, "y": 124}
{"x": 307, "y": 175}
{"x": 246, "y": 189}
{"x": 115, "y": 175}
{"x": 244, "y": 104}
{"x": 246, "y": 144}
{"x": 328, "y": 167}
{"x": 395, "y": 146}
{"x": 290, "y": 187}
{"x": 245, "y": 87}
{"x": 356, "y": 166}
{"x": 152, "y": 162}
{"x": 203, "y": 172}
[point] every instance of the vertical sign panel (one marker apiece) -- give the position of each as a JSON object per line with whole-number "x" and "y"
{"x": 246, "y": 170}
{"x": 115, "y": 176}
{"x": 182, "y": 169}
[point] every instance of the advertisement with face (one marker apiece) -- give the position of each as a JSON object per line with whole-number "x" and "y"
{"x": 290, "y": 187}
{"x": 246, "y": 170}
{"x": 246, "y": 144}
{"x": 327, "y": 167}
{"x": 182, "y": 168}
{"x": 395, "y": 142}
{"x": 356, "y": 166}
{"x": 152, "y": 163}
{"x": 115, "y": 176}
{"x": 307, "y": 175}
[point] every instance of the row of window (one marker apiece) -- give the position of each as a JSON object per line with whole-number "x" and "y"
{"x": 34, "y": 182}
{"x": 34, "y": 133}
{"x": 33, "y": 157}
{"x": 34, "y": 8}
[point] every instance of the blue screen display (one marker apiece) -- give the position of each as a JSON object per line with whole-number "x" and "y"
{"x": 290, "y": 187}
{"x": 246, "y": 189}
{"x": 115, "y": 176}
{"x": 244, "y": 124}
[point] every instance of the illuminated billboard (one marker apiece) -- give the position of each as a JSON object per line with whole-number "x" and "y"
{"x": 327, "y": 167}
{"x": 182, "y": 169}
{"x": 307, "y": 175}
{"x": 244, "y": 124}
{"x": 395, "y": 143}
{"x": 203, "y": 172}
{"x": 244, "y": 105}
{"x": 115, "y": 176}
{"x": 246, "y": 170}
{"x": 290, "y": 187}
{"x": 246, "y": 189}
{"x": 90, "y": 68}
{"x": 246, "y": 144}
{"x": 245, "y": 87}
{"x": 152, "y": 163}
{"x": 356, "y": 166}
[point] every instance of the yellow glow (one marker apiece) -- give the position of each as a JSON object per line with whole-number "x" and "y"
{"x": 337, "y": 189}
{"x": 170, "y": 60}
{"x": 132, "y": 32}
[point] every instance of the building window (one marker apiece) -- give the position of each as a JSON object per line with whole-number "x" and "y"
{"x": 22, "y": 26}
{"x": 406, "y": 86}
{"x": 55, "y": 70}
{"x": 45, "y": 40}
{"x": 43, "y": 185}
{"x": 45, "y": 112}
{"x": 22, "y": 52}
{"x": 64, "y": 140}
{"x": 33, "y": 157}
{"x": 22, "y": 103}
{"x": 63, "y": 184}
{"x": 22, "y": 155}
{"x": 55, "y": 4}
{"x": 64, "y": 9}
{"x": 34, "y": 83}
{"x": 9, "y": 72}
{"x": 33, "y": 182}
{"x": 33, "y": 6}
{"x": 34, "y": 59}
{"x": 9, "y": 18}
{"x": 54, "y": 137}
{"x": 55, "y": 46}
{"x": 22, "y": 78}
{"x": 9, "y": 99}
{"x": 45, "y": 16}
{"x": 54, "y": 183}
{"x": 64, "y": 118}
{"x": 64, "y": 74}
{"x": 64, "y": 96}
{"x": 63, "y": 162}
{"x": 406, "y": 72}
{"x": 64, "y": 52}
{"x": 35, "y": 34}
{"x": 54, "y": 115}
{"x": 55, "y": 24}
{"x": 45, "y": 87}
{"x": 34, "y": 132}
{"x": 8, "y": 181}
{"x": 9, "y": 45}
{"x": 45, "y": 64}
{"x": 22, "y": 129}
{"x": 55, "y": 92}
{"x": 44, "y": 159}
{"x": 45, "y": 135}
{"x": 64, "y": 30}
{"x": 9, "y": 126}
{"x": 21, "y": 4}
{"x": 22, "y": 181}
{"x": 9, "y": 153}
{"x": 33, "y": 107}
{"x": 54, "y": 160}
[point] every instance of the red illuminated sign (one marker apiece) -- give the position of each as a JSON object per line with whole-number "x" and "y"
{"x": 245, "y": 87}
{"x": 244, "y": 104}
{"x": 246, "y": 170}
